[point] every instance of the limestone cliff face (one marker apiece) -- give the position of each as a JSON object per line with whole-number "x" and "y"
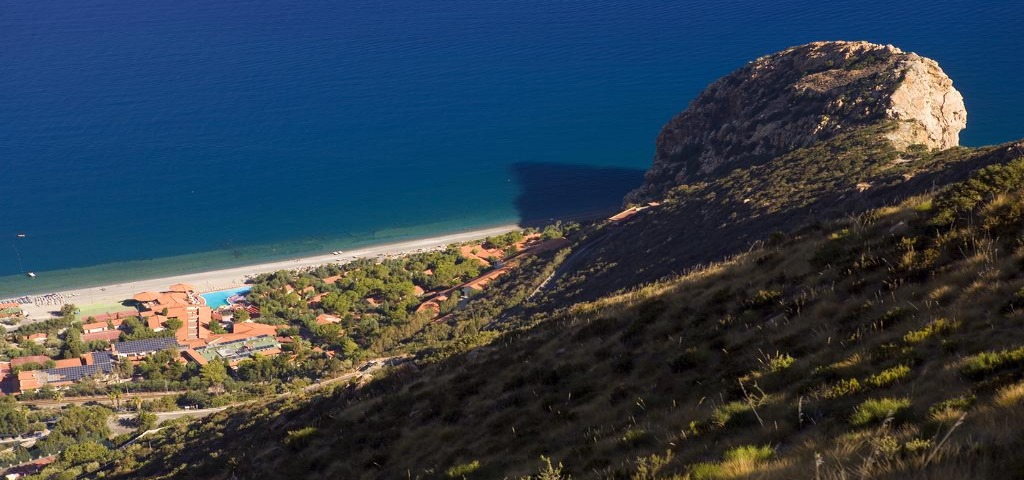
{"x": 801, "y": 96}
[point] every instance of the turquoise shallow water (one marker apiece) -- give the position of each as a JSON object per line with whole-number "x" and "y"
{"x": 150, "y": 138}
{"x": 220, "y": 297}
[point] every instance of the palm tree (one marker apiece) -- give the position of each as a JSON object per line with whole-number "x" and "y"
{"x": 115, "y": 398}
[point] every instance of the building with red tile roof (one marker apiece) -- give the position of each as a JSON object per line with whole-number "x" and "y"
{"x": 68, "y": 362}
{"x": 106, "y": 336}
{"x": 191, "y": 354}
{"x": 324, "y": 319}
{"x": 10, "y": 309}
{"x": 181, "y": 302}
{"x": 39, "y": 338}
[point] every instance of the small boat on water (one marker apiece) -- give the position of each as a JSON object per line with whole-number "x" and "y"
{"x": 31, "y": 274}
{"x": 21, "y": 235}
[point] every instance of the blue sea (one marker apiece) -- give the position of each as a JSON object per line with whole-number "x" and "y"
{"x": 144, "y": 138}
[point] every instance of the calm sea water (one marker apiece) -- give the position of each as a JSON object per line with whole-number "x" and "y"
{"x": 148, "y": 138}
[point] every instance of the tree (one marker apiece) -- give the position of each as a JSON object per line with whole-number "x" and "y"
{"x": 115, "y": 398}
{"x": 73, "y": 346}
{"x": 77, "y": 424}
{"x": 217, "y": 328}
{"x": 145, "y": 421}
{"x": 214, "y": 372}
{"x": 173, "y": 324}
{"x": 349, "y": 348}
{"x": 241, "y": 315}
{"x": 13, "y": 420}
{"x": 84, "y": 452}
{"x": 68, "y": 310}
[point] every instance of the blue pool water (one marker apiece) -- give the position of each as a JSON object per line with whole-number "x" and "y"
{"x": 220, "y": 297}
{"x": 148, "y": 138}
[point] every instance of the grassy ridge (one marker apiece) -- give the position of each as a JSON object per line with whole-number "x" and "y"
{"x": 884, "y": 345}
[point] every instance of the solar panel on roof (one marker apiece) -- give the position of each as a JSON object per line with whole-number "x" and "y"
{"x": 147, "y": 345}
{"x": 73, "y": 374}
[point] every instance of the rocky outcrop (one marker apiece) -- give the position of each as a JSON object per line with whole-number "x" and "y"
{"x": 801, "y": 96}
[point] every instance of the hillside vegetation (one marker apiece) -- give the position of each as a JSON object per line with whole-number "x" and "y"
{"x": 724, "y": 215}
{"x": 885, "y": 345}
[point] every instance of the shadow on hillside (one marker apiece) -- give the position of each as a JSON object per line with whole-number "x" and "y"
{"x": 668, "y": 242}
{"x": 558, "y": 191}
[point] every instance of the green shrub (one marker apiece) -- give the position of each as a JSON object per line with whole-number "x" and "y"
{"x": 984, "y": 184}
{"x": 842, "y": 388}
{"x": 877, "y": 409}
{"x": 749, "y": 453}
{"x": 298, "y": 439}
{"x": 706, "y": 471}
{"x": 889, "y": 376}
{"x": 461, "y": 471}
{"x": 635, "y": 437}
{"x": 917, "y": 445}
{"x": 776, "y": 363}
{"x": 731, "y": 413}
{"x": 959, "y": 403}
{"x": 985, "y": 363}
{"x": 939, "y": 326}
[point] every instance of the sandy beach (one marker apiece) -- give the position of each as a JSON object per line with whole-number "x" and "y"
{"x": 235, "y": 277}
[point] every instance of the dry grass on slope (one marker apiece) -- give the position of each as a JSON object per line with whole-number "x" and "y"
{"x": 881, "y": 346}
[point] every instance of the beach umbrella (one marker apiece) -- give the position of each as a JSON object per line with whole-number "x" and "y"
{"x": 146, "y": 296}
{"x": 182, "y": 287}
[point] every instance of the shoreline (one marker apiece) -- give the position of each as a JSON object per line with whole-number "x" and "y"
{"x": 233, "y": 277}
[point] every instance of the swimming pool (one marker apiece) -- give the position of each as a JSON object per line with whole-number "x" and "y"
{"x": 220, "y": 297}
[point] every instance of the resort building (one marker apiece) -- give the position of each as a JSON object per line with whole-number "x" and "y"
{"x": 108, "y": 336}
{"x": 234, "y": 351}
{"x": 181, "y": 302}
{"x": 95, "y": 364}
{"x": 143, "y": 348}
{"x": 11, "y": 309}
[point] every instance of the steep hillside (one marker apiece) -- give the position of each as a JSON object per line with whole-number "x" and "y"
{"x": 885, "y": 345}
{"x": 827, "y": 287}
{"x": 804, "y": 135}
{"x": 710, "y": 220}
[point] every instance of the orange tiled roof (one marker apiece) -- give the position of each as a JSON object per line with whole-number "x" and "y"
{"x": 94, "y": 326}
{"x": 429, "y": 305}
{"x": 193, "y": 355}
{"x": 29, "y": 381}
{"x": 254, "y": 329}
{"x": 156, "y": 322}
{"x": 324, "y": 319}
{"x": 332, "y": 279}
{"x": 6, "y": 305}
{"x": 106, "y": 335}
{"x": 182, "y": 287}
{"x": 69, "y": 362}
